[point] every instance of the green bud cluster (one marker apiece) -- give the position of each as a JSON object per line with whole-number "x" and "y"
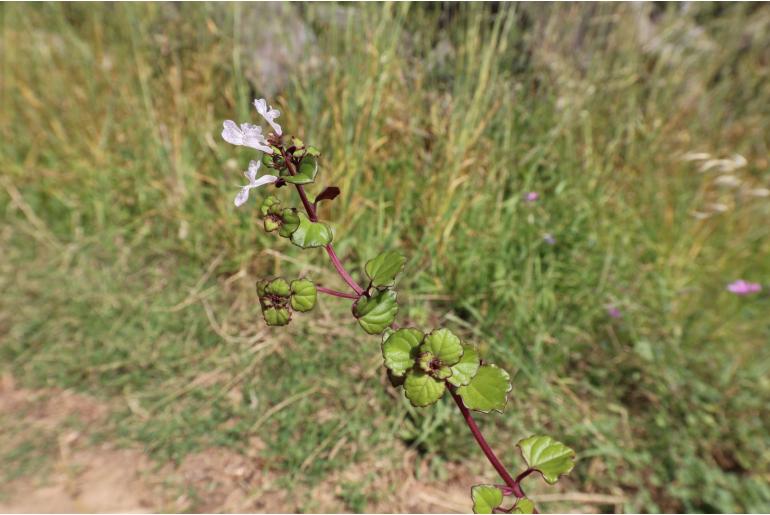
{"x": 278, "y": 298}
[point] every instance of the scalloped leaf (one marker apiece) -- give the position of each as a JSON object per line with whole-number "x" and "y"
{"x": 377, "y": 312}
{"x": 488, "y": 390}
{"x": 306, "y": 172}
{"x": 421, "y": 389}
{"x": 444, "y": 345}
{"x": 465, "y": 369}
{"x": 524, "y": 506}
{"x": 486, "y": 498}
{"x": 303, "y": 295}
{"x": 400, "y": 350}
{"x": 383, "y": 269}
{"x": 548, "y": 456}
{"x": 311, "y": 234}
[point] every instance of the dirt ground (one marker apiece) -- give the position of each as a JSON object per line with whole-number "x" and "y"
{"x": 103, "y": 478}
{"x": 85, "y": 477}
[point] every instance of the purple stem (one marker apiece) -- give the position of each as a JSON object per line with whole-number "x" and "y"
{"x": 488, "y": 452}
{"x": 341, "y": 270}
{"x": 336, "y": 293}
{"x": 513, "y": 484}
{"x": 311, "y": 213}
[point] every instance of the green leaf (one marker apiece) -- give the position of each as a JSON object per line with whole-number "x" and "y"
{"x": 464, "y": 370}
{"x": 421, "y": 389}
{"x": 312, "y": 151}
{"x": 486, "y": 498}
{"x": 276, "y": 316}
{"x": 278, "y": 287}
{"x": 303, "y": 295}
{"x": 400, "y": 350}
{"x": 311, "y": 234}
{"x": 524, "y": 506}
{"x": 290, "y": 222}
{"x": 383, "y": 269}
{"x": 548, "y": 456}
{"x": 377, "y": 312}
{"x": 488, "y": 390}
{"x": 306, "y": 172}
{"x": 443, "y": 344}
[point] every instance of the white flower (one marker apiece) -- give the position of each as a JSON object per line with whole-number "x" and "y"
{"x": 251, "y": 175}
{"x": 269, "y": 114}
{"x": 247, "y": 135}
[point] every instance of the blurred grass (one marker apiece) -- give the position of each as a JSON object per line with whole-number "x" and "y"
{"x": 126, "y": 272}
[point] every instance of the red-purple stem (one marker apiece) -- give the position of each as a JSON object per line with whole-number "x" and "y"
{"x": 488, "y": 452}
{"x": 513, "y": 484}
{"x": 341, "y": 270}
{"x": 336, "y": 293}
{"x": 311, "y": 213}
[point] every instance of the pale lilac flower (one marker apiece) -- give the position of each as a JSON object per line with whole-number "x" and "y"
{"x": 741, "y": 287}
{"x": 531, "y": 196}
{"x": 246, "y": 135}
{"x": 613, "y": 312}
{"x": 269, "y": 114}
{"x": 549, "y": 239}
{"x": 251, "y": 175}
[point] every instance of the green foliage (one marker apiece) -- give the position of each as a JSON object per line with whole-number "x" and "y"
{"x": 120, "y": 205}
{"x": 487, "y": 390}
{"x": 486, "y": 498}
{"x": 444, "y": 345}
{"x": 377, "y": 312}
{"x": 524, "y": 506}
{"x": 306, "y": 173}
{"x": 383, "y": 269}
{"x": 400, "y": 350}
{"x": 311, "y": 234}
{"x": 465, "y": 369}
{"x": 549, "y": 457}
{"x": 421, "y": 389}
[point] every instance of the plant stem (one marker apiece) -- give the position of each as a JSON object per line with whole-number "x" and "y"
{"x": 513, "y": 484}
{"x": 341, "y": 270}
{"x": 336, "y": 293}
{"x": 311, "y": 213}
{"x": 488, "y": 452}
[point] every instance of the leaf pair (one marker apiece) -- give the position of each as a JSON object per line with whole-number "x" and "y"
{"x": 278, "y": 298}
{"x": 427, "y": 363}
{"x": 377, "y": 309}
{"x": 543, "y": 454}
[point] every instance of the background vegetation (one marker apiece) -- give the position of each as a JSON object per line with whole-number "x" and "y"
{"x": 127, "y": 274}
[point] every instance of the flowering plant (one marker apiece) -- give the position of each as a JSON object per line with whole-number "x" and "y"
{"x": 425, "y": 365}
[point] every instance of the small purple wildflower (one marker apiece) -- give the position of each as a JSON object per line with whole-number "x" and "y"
{"x": 532, "y": 196}
{"x": 549, "y": 239}
{"x": 613, "y": 312}
{"x": 741, "y": 287}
